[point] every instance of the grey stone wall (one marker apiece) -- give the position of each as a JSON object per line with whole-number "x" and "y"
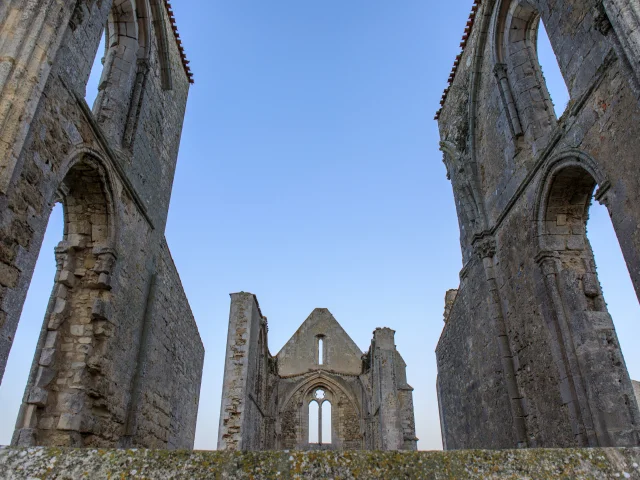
{"x": 266, "y": 399}
{"x": 300, "y": 353}
{"x": 529, "y": 355}
{"x": 587, "y": 464}
{"x": 167, "y": 387}
{"x": 92, "y": 380}
{"x": 242, "y": 410}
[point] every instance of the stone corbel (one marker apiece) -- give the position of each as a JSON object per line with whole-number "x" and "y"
{"x": 601, "y": 194}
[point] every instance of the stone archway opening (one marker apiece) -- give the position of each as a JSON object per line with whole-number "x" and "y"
{"x": 616, "y": 284}
{"x": 588, "y": 353}
{"x": 320, "y": 418}
{"x": 64, "y": 386}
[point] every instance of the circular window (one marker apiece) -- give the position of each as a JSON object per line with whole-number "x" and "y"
{"x": 320, "y": 394}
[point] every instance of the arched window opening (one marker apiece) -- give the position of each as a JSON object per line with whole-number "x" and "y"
{"x": 326, "y": 422}
{"x": 320, "y": 418}
{"x": 24, "y": 344}
{"x": 581, "y": 325}
{"x": 548, "y": 61}
{"x": 314, "y": 426}
{"x": 320, "y": 350}
{"x": 616, "y": 284}
{"x": 122, "y": 82}
{"x": 77, "y": 323}
{"x": 93, "y": 84}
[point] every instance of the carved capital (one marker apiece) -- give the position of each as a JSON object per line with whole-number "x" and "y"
{"x": 500, "y": 70}
{"x": 484, "y": 246}
{"x": 548, "y": 262}
{"x": 143, "y": 65}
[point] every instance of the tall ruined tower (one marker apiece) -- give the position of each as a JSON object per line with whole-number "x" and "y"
{"x": 268, "y": 401}
{"x": 119, "y": 358}
{"x": 529, "y": 354}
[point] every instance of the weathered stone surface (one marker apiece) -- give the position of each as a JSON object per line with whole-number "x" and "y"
{"x": 528, "y": 355}
{"x": 119, "y": 358}
{"x": 556, "y": 464}
{"x": 266, "y": 399}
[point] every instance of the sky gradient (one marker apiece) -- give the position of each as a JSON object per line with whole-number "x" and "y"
{"x": 309, "y": 174}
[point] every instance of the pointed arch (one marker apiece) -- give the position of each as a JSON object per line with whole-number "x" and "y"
{"x": 586, "y": 350}
{"x": 523, "y": 90}
{"x": 65, "y": 378}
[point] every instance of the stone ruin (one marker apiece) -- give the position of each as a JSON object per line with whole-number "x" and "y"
{"x": 266, "y": 399}
{"x": 119, "y": 359}
{"x": 529, "y": 355}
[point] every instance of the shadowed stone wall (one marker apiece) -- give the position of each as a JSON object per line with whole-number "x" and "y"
{"x": 529, "y": 355}
{"x": 266, "y": 399}
{"x": 119, "y": 358}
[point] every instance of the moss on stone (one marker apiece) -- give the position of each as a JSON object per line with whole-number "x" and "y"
{"x": 56, "y": 463}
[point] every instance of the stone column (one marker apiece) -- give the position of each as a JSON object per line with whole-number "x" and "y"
{"x": 386, "y": 390}
{"x": 485, "y": 248}
{"x": 236, "y": 430}
{"x": 594, "y": 382}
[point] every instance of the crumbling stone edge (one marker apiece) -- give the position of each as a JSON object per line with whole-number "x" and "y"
{"x": 59, "y": 463}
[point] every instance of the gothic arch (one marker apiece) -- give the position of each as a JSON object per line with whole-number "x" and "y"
{"x": 578, "y": 161}
{"x": 93, "y": 158}
{"x": 311, "y": 383}
{"x": 521, "y": 84}
{"x": 66, "y": 380}
{"x": 126, "y": 63}
{"x": 346, "y": 412}
{"x": 585, "y": 349}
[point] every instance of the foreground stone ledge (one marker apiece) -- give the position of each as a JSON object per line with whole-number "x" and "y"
{"x": 56, "y": 463}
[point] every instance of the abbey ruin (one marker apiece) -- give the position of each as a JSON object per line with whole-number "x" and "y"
{"x": 529, "y": 355}
{"x": 119, "y": 359}
{"x": 266, "y": 399}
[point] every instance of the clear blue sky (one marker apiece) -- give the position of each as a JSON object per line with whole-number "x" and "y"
{"x": 309, "y": 174}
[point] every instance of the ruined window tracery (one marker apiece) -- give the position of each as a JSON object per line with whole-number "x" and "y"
{"x": 314, "y": 426}
{"x": 320, "y": 418}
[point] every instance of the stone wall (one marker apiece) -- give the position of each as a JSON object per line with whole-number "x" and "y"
{"x": 529, "y": 355}
{"x": 242, "y": 410}
{"x": 94, "y": 379}
{"x": 586, "y": 464}
{"x": 266, "y": 399}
